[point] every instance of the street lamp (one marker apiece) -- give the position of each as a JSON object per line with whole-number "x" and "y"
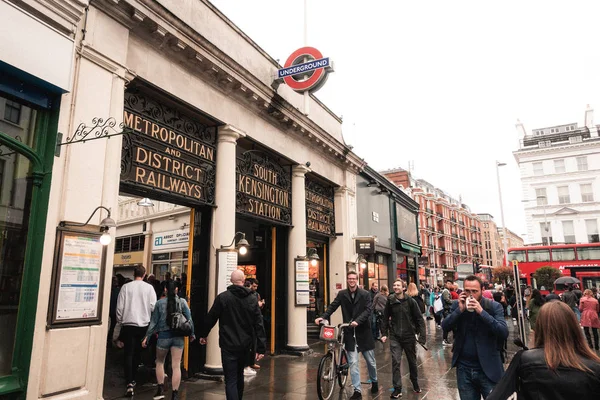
{"x": 504, "y": 239}
{"x": 544, "y": 203}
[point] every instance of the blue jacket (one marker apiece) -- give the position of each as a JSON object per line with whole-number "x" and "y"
{"x": 158, "y": 322}
{"x": 490, "y": 329}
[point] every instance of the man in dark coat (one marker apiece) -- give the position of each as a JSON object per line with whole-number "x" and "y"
{"x": 357, "y": 308}
{"x": 480, "y": 332}
{"x": 240, "y": 330}
{"x": 403, "y": 320}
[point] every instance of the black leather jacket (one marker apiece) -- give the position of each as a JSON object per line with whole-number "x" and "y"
{"x": 537, "y": 382}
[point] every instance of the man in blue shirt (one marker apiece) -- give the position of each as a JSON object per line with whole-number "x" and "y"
{"x": 480, "y": 330}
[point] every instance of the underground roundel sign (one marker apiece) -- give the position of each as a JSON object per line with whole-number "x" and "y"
{"x": 305, "y": 70}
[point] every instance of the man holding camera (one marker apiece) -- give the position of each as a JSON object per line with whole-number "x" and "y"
{"x": 480, "y": 329}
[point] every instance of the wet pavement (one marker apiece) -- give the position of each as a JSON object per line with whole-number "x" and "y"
{"x": 290, "y": 377}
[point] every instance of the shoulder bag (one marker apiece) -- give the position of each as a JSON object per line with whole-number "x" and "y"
{"x": 180, "y": 325}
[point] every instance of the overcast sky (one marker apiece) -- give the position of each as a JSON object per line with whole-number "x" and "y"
{"x": 442, "y": 83}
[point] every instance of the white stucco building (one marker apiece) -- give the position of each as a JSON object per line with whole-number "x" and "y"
{"x": 560, "y": 171}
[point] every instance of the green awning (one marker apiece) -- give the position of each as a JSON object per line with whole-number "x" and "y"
{"x": 411, "y": 248}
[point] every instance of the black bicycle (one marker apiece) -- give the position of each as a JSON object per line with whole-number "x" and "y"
{"x": 334, "y": 364}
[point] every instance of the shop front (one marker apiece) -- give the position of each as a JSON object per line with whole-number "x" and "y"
{"x": 407, "y": 247}
{"x": 374, "y": 221}
{"x": 320, "y": 229}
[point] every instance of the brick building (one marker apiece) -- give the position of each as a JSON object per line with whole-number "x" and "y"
{"x": 449, "y": 233}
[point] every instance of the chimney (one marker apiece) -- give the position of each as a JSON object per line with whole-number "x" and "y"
{"x": 520, "y": 131}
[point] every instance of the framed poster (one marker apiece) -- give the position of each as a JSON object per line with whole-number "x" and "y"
{"x": 77, "y": 278}
{"x": 302, "y": 282}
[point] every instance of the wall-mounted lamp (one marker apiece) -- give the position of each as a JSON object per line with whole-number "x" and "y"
{"x": 312, "y": 255}
{"x": 372, "y": 183}
{"x": 361, "y": 261}
{"x": 383, "y": 190}
{"x": 242, "y": 244}
{"x": 145, "y": 202}
{"x": 105, "y": 225}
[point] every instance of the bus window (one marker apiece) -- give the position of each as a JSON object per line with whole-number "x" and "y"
{"x": 588, "y": 253}
{"x": 539, "y": 255}
{"x": 518, "y": 255}
{"x": 563, "y": 254}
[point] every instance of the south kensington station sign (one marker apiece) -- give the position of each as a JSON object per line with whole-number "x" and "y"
{"x": 169, "y": 151}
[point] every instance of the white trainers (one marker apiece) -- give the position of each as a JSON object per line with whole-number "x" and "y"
{"x": 249, "y": 371}
{"x": 446, "y": 343}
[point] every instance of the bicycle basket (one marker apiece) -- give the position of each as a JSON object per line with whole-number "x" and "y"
{"x": 328, "y": 333}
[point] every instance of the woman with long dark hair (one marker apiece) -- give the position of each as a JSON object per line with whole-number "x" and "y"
{"x": 560, "y": 367}
{"x": 168, "y": 339}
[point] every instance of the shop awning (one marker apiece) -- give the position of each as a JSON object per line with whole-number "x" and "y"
{"x": 411, "y": 248}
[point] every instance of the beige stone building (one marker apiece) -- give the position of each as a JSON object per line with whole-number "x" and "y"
{"x": 514, "y": 240}
{"x": 205, "y": 128}
{"x": 492, "y": 244}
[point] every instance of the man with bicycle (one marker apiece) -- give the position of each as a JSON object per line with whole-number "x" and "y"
{"x": 357, "y": 308}
{"x": 403, "y": 320}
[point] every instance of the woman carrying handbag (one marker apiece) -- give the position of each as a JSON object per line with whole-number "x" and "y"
{"x": 172, "y": 320}
{"x": 560, "y": 367}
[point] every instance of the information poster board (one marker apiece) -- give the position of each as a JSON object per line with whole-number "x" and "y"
{"x": 302, "y": 282}
{"x": 77, "y": 279}
{"x": 227, "y": 262}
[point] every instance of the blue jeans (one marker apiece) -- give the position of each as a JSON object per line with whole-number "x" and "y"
{"x": 473, "y": 383}
{"x": 369, "y": 356}
{"x": 577, "y": 313}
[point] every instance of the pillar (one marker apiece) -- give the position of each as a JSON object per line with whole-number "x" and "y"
{"x": 223, "y": 222}
{"x": 296, "y": 315}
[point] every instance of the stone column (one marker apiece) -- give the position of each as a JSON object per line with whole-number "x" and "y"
{"x": 223, "y": 223}
{"x": 296, "y": 315}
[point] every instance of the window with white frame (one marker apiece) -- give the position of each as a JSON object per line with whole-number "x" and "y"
{"x": 546, "y": 232}
{"x": 559, "y": 166}
{"x": 591, "y": 226}
{"x": 540, "y": 197}
{"x": 568, "y": 231}
{"x": 538, "y": 168}
{"x": 587, "y": 194}
{"x": 563, "y": 195}
{"x": 582, "y": 164}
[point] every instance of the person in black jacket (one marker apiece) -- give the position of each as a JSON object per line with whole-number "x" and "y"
{"x": 240, "y": 330}
{"x": 357, "y": 308}
{"x": 560, "y": 367}
{"x": 403, "y": 314}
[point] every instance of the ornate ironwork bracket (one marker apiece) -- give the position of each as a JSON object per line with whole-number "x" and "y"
{"x": 99, "y": 129}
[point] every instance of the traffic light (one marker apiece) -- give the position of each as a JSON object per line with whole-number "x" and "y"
{"x": 477, "y": 268}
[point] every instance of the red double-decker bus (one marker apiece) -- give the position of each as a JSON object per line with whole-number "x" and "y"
{"x": 578, "y": 260}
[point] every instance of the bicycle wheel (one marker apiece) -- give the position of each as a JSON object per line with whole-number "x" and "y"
{"x": 326, "y": 377}
{"x": 343, "y": 373}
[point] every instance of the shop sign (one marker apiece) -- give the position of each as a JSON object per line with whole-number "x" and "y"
{"x": 169, "y": 152}
{"x": 128, "y": 259}
{"x": 305, "y": 70}
{"x": 320, "y": 213}
{"x": 406, "y": 222}
{"x": 175, "y": 239}
{"x": 423, "y": 261}
{"x": 365, "y": 245}
{"x": 263, "y": 188}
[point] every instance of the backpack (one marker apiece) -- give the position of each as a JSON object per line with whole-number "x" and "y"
{"x": 501, "y": 344}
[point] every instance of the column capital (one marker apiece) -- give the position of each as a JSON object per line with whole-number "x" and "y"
{"x": 300, "y": 170}
{"x": 230, "y": 134}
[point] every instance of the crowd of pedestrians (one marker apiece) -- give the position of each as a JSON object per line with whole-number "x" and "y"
{"x": 473, "y": 321}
